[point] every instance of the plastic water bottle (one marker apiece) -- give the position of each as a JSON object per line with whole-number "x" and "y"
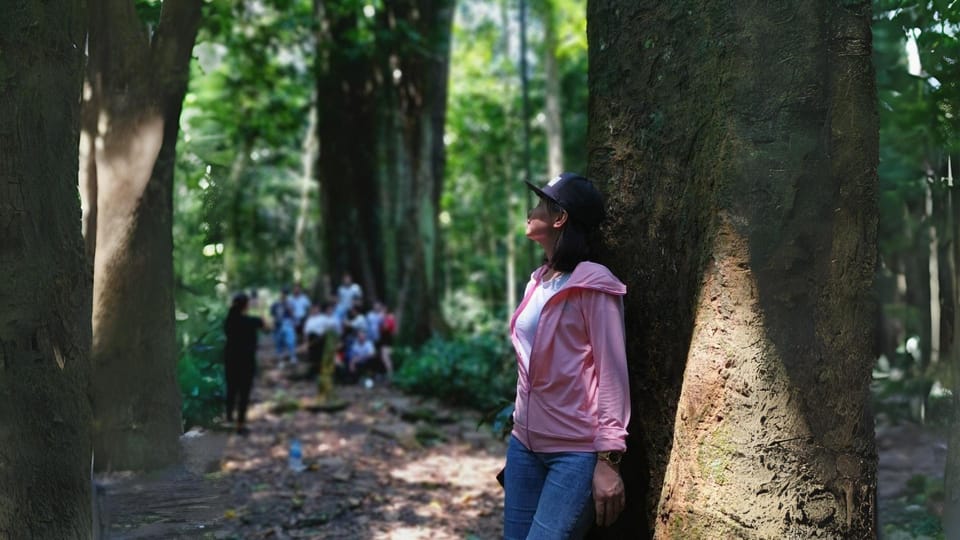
{"x": 296, "y": 456}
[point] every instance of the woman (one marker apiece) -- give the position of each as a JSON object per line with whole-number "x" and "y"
{"x": 240, "y": 354}
{"x": 572, "y": 404}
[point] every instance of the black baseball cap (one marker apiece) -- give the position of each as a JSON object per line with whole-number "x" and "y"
{"x": 577, "y": 195}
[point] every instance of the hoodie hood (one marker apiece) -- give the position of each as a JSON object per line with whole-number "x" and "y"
{"x": 589, "y": 275}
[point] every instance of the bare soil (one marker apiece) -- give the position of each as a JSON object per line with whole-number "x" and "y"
{"x": 388, "y": 466}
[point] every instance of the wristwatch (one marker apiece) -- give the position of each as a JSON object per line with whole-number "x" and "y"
{"x": 611, "y": 457}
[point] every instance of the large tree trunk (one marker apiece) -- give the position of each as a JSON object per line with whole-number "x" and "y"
{"x": 137, "y": 85}
{"x": 45, "y": 293}
{"x": 347, "y": 90}
{"x": 740, "y": 146}
{"x": 386, "y": 105}
{"x": 413, "y": 138}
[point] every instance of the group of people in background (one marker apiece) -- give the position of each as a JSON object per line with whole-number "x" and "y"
{"x": 299, "y": 324}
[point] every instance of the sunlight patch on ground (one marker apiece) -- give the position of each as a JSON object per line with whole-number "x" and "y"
{"x": 414, "y": 533}
{"x": 454, "y": 467}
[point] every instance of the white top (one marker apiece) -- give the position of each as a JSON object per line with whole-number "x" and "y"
{"x": 320, "y": 324}
{"x": 300, "y": 305}
{"x": 347, "y": 293}
{"x": 529, "y": 318}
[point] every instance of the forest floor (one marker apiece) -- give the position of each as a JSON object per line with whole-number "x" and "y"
{"x": 388, "y": 466}
{"x": 392, "y": 466}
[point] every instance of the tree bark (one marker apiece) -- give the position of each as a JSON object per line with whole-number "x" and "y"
{"x": 951, "y": 476}
{"x": 138, "y": 82}
{"x": 308, "y": 162}
{"x": 553, "y": 94}
{"x": 417, "y": 104}
{"x": 381, "y": 117}
{"x": 45, "y": 321}
{"x": 350, "y": 199}
{"x": 738, "y": 144}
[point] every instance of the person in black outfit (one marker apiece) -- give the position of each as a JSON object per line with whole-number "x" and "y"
{"x": 240, "y": 358}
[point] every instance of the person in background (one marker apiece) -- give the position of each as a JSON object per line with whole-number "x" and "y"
{"x": 347, "y": 294}
{"x": 374, "y": 320}
{"x": 284, "y": 329}
{"x": 388, "y": 329}
{"x": 573, "y": 396}
{"x": 317, "y": 329}
{"x": 362, "y": 353}
{"x": 240, "y": 359}
{"x": 300, "y": 306}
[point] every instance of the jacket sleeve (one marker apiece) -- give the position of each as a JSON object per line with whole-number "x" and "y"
{"x": 605, "y": 326}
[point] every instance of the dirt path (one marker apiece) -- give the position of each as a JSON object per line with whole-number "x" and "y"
{"x": 378, "y": 470}
{"x": 375, "y": 470}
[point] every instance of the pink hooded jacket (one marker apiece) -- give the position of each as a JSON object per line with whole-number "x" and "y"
{"x": 576, "y": 395}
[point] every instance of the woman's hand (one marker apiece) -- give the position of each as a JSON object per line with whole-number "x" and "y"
{"x": 609, "y": 497}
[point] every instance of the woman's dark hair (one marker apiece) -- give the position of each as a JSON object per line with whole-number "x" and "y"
{"x": 574, "y": 245}
{"x": 240, "y": 302}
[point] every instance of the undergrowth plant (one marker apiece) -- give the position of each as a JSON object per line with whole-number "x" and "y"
{"x": 477, "y": 370}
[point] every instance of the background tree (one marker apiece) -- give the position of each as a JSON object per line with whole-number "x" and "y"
{"x": 748, "y": 187}
{"x": 45, "y": 323}
{"x": 136, "y": 79}
{"x": 382, "y": 93}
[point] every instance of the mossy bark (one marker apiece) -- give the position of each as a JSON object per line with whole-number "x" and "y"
{"x": 737, "y": 144}
{"x": 45, "y": 320}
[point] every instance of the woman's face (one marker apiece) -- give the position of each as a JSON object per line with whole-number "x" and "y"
{"x": 543, "y": 222}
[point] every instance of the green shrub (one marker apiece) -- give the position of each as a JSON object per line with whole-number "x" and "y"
{"x": 200, "y": 365}
{"x": 477, "y": 371}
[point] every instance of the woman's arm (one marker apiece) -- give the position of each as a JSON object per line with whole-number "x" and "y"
{"x": 606, "y": 330}
{"x": 605, "y": 327}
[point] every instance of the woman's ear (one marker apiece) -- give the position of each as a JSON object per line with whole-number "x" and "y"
{"x": 561, "y": 220}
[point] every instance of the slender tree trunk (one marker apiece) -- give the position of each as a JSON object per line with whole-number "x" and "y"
{"x": 742, "y": 196}
{"x": 933, "y": 271}
{"x": 308, "y": 164}
{"x": 45, "y": 321}
{"x": 951, "y": 477}
{"x": 511, "y": 185}
{"x": 232, "y": 192}
{"x": 511, "y": 238}
{"x": 553, "y": 107}
{"x": 137, "y": 86}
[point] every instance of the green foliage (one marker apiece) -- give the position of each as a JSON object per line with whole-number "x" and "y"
{"x": 484, "y": 202}
{"x": 476, "y": 371}
{"x": 240, "y": 155}
{"x": 912, "y": 515}
{"x": 200, "y": 366}
{"x": 915, "y": 47}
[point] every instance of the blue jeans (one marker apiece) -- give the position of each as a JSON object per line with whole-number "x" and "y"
{"x": 548, "y": 496}
{"x": 284, "y": 339}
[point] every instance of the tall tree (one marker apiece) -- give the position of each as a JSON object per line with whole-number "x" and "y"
{"x": 45, "y": 320}
{"x": 739, "y": 143}
{"x": 553, "y": 122}
{"x": 348, "y": 88}
{"x": 382, "y": 94}
{"x": 136, "y": 79}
